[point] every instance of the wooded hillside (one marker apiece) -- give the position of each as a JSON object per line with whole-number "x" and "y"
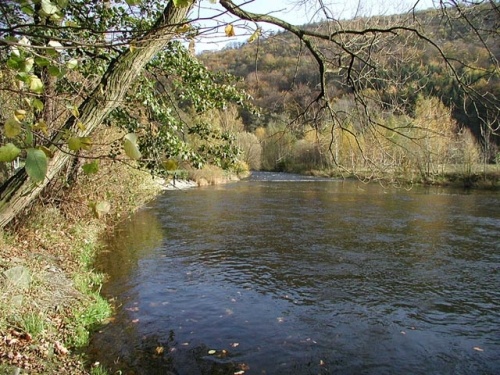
{"x": 396, "y": 71}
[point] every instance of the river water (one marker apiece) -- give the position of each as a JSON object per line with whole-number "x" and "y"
{"x": 281, "y": 274}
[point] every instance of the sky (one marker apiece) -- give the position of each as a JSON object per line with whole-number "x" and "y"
{"x": 213, "y": 37}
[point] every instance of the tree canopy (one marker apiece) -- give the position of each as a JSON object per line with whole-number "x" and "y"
{"x": 72, "y": 66}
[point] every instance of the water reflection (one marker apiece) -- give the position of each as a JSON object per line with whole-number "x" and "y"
{"x": 309, "y": 277}
{"x": 131, "y": 241}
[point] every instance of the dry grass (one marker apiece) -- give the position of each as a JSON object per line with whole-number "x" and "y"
{"x": 210, "y": 175}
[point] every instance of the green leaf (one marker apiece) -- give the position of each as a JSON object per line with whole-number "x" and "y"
{"x": 28, "y": 10}
{"x": 72, "y": 64}
{"x": 23, "y": 77}
{"x": 37, "y": 105}
{"x": 27, "y": 65}
{"x": 62, "y": 3}
{"x": 130, "y": 146}
{"x": 133, "y": 2}
{"x": 9, "y": 152}
{"x": 54, "y": 71}
{"x": 181, "y": 3}
{"x": 14, "y": 63}
{"x": 74, "y": 144}
{"x": 29, "y": 137}
{"x": 48, "y": 8}
{"x": 36, "y": 164}
{"x": 40, "y": 61}
{"x": 12, "y": 127}
{"x": 79, "y": 143}
{"x": 36, "y": 84}
{"x": 91, "y": 168}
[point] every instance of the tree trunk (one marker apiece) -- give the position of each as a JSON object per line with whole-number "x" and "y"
{"x": 18, "y": 192}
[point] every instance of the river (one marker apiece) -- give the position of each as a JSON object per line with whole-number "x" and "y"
{"x": 283, "y": 274}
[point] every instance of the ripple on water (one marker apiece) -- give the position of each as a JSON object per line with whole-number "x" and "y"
{"x": 309, "y": 278}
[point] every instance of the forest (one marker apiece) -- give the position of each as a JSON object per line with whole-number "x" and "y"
{"x": 413, "y": 118}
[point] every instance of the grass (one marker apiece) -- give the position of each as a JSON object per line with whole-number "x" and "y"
{"x": 98, "y": 370}
{"x": 209, "y": 175}
{"x": 32, "y": 323}
{"x": 58, "y": 242}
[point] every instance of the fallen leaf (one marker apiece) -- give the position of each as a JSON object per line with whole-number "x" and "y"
{"x": 212, "y": 352}
{"x": 478, "y": 349}
{"x": 60, "y": 349}
{"x": 11, "y": 342}
{"x": 159, "y": 350}
{"x": 135, "y": 321}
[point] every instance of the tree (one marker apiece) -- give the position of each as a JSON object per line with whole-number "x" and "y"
{"x": 110, "y": 43}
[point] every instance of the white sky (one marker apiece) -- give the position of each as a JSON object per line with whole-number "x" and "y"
{"x": 290, "y": 11}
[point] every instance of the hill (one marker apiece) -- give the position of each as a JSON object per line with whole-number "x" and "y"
{"x": 386, "y": 64}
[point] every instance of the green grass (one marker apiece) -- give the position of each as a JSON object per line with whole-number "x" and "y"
{"x": 32, "y": 323}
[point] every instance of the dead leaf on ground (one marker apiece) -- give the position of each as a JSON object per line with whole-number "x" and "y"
{"x": 60, "y": 349}
{"x": 159, "y": 350}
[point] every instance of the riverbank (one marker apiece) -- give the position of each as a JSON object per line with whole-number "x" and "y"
{"x": 476, "y": 177}
{"x": 49, "y": 289}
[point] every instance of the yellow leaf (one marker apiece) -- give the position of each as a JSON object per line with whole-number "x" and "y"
{"x": 41, "y": 126}
{"x": 184, "y": 28}
{"x": 229, "y": 30}
{"x": 74, "y": 111}
{"x": 47, "y": 151}
{"x": 131, "y": 147}
{"x": 86, "y": 143}
{"x": 100, "y": 209}
{"x": 74, "y": 144}
{"x": 159, "y": 350}
{"x": 81, "y": 126}
{"x": 12, "y": 127}
{"x": 20, "y": 114}
{"x": 254, "y": 36}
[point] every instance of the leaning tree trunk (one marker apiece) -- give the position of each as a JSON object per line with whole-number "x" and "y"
{"x": 18, "y": 192}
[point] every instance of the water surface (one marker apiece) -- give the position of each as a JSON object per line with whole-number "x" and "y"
{"x": 284, "y": 274}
